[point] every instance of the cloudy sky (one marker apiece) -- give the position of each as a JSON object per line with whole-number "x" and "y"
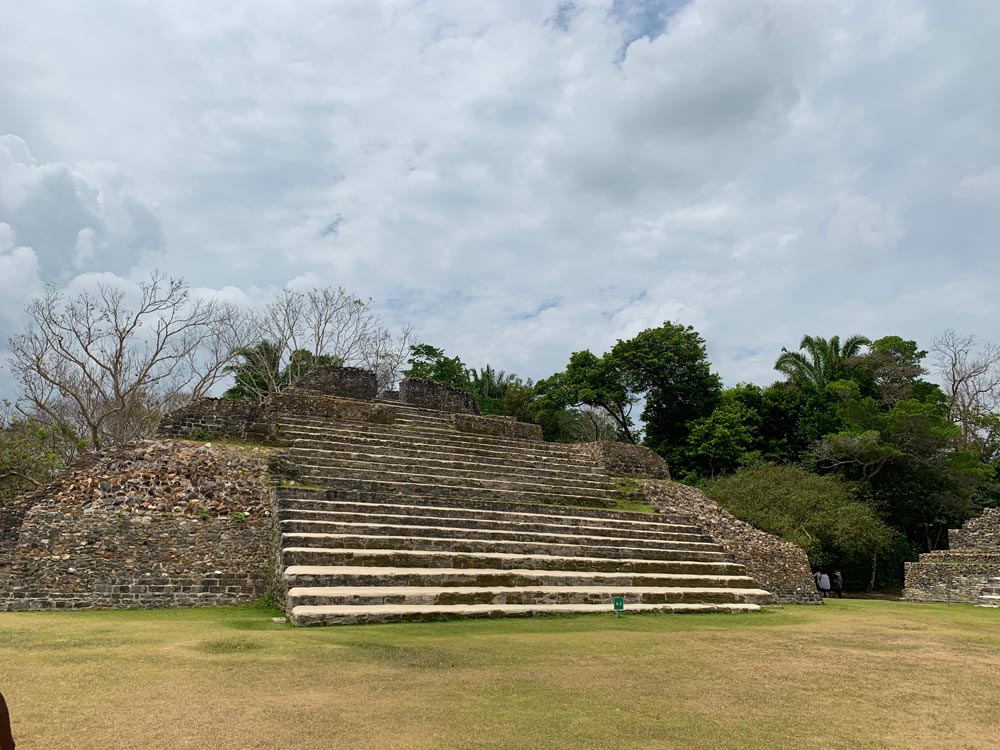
{"x": 518, "y": 179}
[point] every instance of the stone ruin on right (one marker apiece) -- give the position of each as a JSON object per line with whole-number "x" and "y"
{"x": 967, "y": 572}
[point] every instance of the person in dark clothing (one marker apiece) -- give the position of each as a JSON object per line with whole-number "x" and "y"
{"x": 838, "y": 584}
{"x": 6, "y": 738}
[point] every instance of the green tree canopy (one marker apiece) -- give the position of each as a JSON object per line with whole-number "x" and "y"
{"x": 667, "y": 367}
{"x": 431, "y": 363}
{"x": 818, "y": 513}
{"x": 820, "y": 361}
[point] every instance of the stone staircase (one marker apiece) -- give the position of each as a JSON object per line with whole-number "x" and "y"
{"x": 422, "y": 453}
{"x": 350, "y": 561}
{"x": 990, "y": 595}
{"x": 409, "y": 518}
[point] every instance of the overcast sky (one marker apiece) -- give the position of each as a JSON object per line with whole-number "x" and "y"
{"x": 518, "y": 179}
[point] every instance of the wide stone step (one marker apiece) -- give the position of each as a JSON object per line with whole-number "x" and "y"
{"x": 508, "y": 483}
{"x": 409, "y": 443}
{"x": 331, "y": 461}
{"x": 608, "y": 539}
{"x": 375, "y": 490}
{"x": 320, "y": 451}
{"x": 312, "y": 557}
{"x": 474, "y": 522}
{"x": 547, "y": 509}
{"x": 333, "y": 576}
{"x": 349, "y": 615}
{"x": 582, "y": 518}
{"x": 304, "y": 427}
{"x": 513, "y": 546}
{"x": 410, "y": 446}
{"x": 367, "y": 595}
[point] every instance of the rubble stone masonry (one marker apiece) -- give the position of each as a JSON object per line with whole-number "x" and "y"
{"x": 160, "y": 523}
{"x": 778, "y": 565}
{"x": 958, "y": 574}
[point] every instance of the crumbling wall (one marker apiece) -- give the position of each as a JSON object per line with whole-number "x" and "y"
{"x": 627, "y": 460}
{"x": 315, "y": 404}
{"x": 960, "y": 573}
{"x": 978, "y": 533}
{"x": 505, "y": 427}
{"x": 778, "y": 565}
{"x": 216, "y": 418}
{"x": 346, "y": 382}
{"x": 152, "y": 525}
{"x": 431, "y": 395}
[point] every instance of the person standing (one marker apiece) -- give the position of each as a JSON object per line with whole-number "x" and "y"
{"x": 816, "y": 576}
{"x": 824, "y": 584}
{"x": 6, "y": 738}
{"x": 838, "y": 584}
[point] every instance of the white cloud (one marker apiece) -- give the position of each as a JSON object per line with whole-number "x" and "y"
{"x": 984, "y": 186}
{"x": 74, "y": 218}
{"x": 759, "y": 170}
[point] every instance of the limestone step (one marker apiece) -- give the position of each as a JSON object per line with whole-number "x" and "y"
{"x": 498, "y": 506}
{"x": 296, "y": 576}
{"x": 472, "y": 531}
{"x": 583, "y": 518}
{"x": 367, "y": 595}
{"x": 312, "y": 557}
{"x": 512, "y": 484}
{"x": 512, "y": 546}
{"x": 330, "y": 462}
{"x": 495, "y": 524}
{"x": 379, "y": 491}
{"x": 324, "y": 451}
{"x": 411, "y": 444}
{"x": 306, "y": 427}
{"x": 350, "y": 615}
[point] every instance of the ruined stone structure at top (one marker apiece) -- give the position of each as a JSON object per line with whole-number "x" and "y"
{"x": 409, "y": 505}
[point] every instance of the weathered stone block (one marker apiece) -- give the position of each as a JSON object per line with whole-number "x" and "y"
{"x": 778, "y": 565}
{"x": 431, "y": 395}
{"x": 347, "y": 382}
{"x": 627, "y": 460}
{"x": 506, "y": 427}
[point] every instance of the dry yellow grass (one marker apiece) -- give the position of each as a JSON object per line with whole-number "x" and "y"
{"x": 852, "y": 674}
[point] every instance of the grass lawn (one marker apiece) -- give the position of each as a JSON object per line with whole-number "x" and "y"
{"x": 851, "y": 674}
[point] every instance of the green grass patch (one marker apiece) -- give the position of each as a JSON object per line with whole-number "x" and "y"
{"x": 849, "y": 674}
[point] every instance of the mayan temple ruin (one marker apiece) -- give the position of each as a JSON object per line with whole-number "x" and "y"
{"x": 349, "y": 507}
{"x": 968, "y": 571}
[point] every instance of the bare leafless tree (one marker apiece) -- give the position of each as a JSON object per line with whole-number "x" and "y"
{"x": 592, "y": 424}
{"x": 323, "y": 326}
{"x": 970, "y": 376}
{"x": 385, "y": 353}
{"x": 110, "y": 362}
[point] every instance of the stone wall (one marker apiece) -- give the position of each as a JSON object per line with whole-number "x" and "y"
{"x": 315, "y": 404}
{"x": 215, "y": 418}
{"x": 431, "y": 395}
{"x": 958, "y": 574}
{"x": 627, "y": 460}
{"x": 777, "y": 565}
{"x": 347, "y": 382}
{"x": 506, "y": 427}
{"x": 155, "y": 524}
{"x": 978, "y": 533}
{"x": 950, "y": 576}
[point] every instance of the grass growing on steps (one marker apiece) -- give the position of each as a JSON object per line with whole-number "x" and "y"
{"x": 851, "y": 674}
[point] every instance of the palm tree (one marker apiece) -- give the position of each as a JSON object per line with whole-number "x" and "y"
{"x": 824, "y": 360}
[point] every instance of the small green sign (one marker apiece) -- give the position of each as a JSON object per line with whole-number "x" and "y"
{"x": 619, "y": 603}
